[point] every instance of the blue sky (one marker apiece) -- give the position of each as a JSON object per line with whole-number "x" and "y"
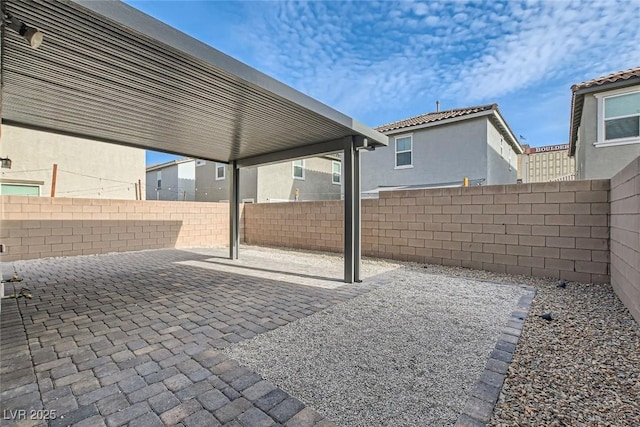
{"x": 384, "y": 61}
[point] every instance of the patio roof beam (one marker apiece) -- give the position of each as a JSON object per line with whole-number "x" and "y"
{"x": 296, "y": 153}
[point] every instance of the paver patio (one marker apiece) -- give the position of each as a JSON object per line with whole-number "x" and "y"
{"x": 135, "y": 338}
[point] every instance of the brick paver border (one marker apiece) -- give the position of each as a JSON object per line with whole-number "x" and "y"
{"x": 483, "y": 397}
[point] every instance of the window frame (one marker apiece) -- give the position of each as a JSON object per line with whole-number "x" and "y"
{"x": 158, "y": 180}
{"x": 224, "y": 171}
{"x": 38, "y": 187}
{"x": 395, "y": 147}
{"x": 333, "y": 173}
{"x": 600, "y": 131}
{"x": 301, "y": 166}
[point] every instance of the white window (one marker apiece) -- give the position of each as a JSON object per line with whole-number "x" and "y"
{"x": 501, "y": 147}
{"x": 622, "y": 116}
{"x": 220, "y": 169}
{"x": 404, "y": 151}
{"x": 510, "y": 151}
{"x": 618, "y": 118}
{"x": 336, "y": 172}
{"x": 200, "y": 162}
{"x": 159, "y": 179}
{"x": 298, "y": 169}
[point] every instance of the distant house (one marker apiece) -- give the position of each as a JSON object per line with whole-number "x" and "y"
{"x": 442, "y": 149}
{"x": 174, "y": 180}
{"x": 316, "y": 178}
{"x": 84, "y": 168}
{"x": 547, "y": 163}
{"x": 604, "y": 131}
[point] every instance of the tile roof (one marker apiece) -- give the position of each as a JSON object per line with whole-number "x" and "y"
{"x": 435, "y": 117}
{"x": 611, "y": 78}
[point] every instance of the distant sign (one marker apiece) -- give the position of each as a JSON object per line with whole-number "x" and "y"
{"x": 548, "y": 148}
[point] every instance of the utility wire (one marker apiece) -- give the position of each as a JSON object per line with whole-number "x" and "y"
{"x": 95, "y": 177}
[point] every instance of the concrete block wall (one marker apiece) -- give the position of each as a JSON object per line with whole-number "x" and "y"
{"x": 38, "y": 227}
{"x": 303, "y": 225}
{"x": 557, "y": 229}
{"x": 625, "y": 236}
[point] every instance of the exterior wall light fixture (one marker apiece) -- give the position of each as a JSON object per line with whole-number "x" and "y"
{"x": 32, "y": 35}
{"x": 6, "y": 162}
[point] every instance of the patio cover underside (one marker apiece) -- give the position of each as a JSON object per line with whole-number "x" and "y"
{"x": 108, "y": 72}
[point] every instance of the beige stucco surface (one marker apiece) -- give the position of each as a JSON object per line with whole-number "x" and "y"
{"x": 86, "y": 168}
{"x": 599, "y": 162}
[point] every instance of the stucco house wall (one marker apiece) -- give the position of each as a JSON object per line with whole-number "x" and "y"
{"x": 168, "y": 178}
{"x": 177, "y": 181}
{"x": 86, "y": 168}
{"x": 210, "y": 189}
{"x": 276, "y": 182}
{"x": 502, "y": 162}
{"x": 187, "y": 181}
{"x": 599, "y": 162}
{"x": 445, "y": 153}
{"x": 270, "y": 182}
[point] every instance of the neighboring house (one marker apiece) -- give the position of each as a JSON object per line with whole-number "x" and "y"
{"x": 85, "y": 168}
{"x": 604, "y": 131}
{"x": 548, "y": 163}
{"x": 174, "y": 180}
{"x": 444, "y": 148}
{"x": 316, "y": 178}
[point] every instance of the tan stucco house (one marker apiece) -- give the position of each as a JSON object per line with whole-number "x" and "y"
{"x": 85, "y": 168}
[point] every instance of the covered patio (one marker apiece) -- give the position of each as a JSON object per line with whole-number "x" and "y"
{"x": 107, "y": 72}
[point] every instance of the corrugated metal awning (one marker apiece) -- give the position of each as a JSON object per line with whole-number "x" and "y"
{"x": 109, "y": 72}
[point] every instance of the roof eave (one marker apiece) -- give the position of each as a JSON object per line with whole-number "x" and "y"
{"x": 411, "y": 128}
{"x": 506, "y": 130}
{"x": 169, "y": 163}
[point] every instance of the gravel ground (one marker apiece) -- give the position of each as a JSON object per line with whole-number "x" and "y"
{"x": 580, "y": 369}
{"x": 583, "y": 368}
{"x": 404, "y": 354}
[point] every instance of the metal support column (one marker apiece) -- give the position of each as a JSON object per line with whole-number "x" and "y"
{"x": 357, "y": 222}
{"x": 234, "y": 212}
{"x": 349, "y": 211}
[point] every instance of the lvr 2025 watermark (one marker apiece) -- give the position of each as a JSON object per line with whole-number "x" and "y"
{"x": 24, "y": 414}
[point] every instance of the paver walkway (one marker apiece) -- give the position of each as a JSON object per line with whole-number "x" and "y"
{"x": 134, "y": 339}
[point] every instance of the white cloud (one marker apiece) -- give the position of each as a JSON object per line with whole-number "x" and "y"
{"x": 361, "y": 57}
